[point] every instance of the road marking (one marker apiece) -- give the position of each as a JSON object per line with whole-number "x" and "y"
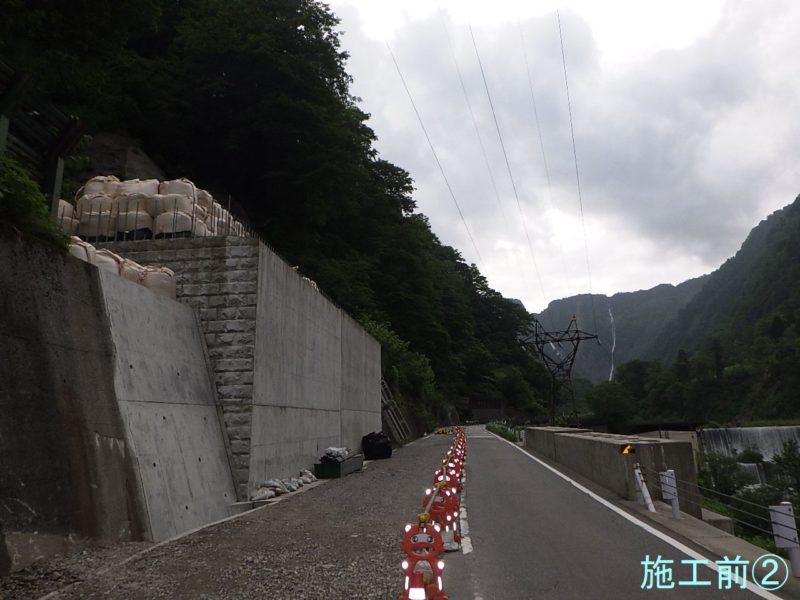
{"x": 463, "y": 524}
{"x": 660, "y": 535}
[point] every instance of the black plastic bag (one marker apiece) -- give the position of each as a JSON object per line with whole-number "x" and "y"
{"x": 376, "y": 445}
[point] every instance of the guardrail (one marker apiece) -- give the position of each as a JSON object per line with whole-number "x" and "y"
{"x": 781, "y": 519}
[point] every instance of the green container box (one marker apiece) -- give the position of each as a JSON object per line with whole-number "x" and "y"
{"x": 334, "y": 470}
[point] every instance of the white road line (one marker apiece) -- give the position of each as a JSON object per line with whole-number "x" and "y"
{"x": 463, "y": 524}
{"x": 660, "y": 535}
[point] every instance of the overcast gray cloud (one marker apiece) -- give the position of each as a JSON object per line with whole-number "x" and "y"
{"x": 681, "y": 151}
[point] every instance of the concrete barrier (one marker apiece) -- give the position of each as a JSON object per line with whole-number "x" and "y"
{"x": 598, "y": 457}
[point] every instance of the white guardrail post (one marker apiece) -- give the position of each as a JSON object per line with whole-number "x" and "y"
{"x": 784, "y": 528}
{"x": 669, "y": 491}
{"x": 641, "y": 488}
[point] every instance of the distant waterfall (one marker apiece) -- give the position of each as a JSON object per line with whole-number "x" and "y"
{"x": 732, "y": 440}
{"x": 613, "y": 341}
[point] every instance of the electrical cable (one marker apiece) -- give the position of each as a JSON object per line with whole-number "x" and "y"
{"x": 435, "y": 155}
{"x": 474, "y": 121}
{"x": 536, "y": 116}
{"x": 577, "y": 171}
{"x": 508, "y": 165}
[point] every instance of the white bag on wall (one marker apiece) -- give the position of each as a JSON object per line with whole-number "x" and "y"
{"x": 102, "y": 184}
{"x": 82, "y": 250}
{"x": 161, "y": 280}
{"x": 178, "y": 186}
{"x": 148, "y": 187}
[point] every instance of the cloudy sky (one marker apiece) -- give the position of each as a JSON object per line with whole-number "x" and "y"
{"x": 686, "y": 121}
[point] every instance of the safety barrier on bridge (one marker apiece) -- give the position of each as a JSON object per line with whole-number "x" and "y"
{"x": 437, "y": 527}
{"x": 748, "y": 516}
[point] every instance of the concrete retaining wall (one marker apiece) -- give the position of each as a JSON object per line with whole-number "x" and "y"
{"x": 294, "y": 373}
{"x": 127, "y": 415}
{"x": 64, "y": 467}
{"x": 218, "y": 277}
{"x": 598, "y": 457}
{"x": 167, "y": 405}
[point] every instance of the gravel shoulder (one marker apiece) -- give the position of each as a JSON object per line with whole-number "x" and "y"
{"x": 339, "y": 539}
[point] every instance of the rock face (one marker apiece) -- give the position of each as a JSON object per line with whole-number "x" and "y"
{"x": 5, "y": 559}
{"x": 117, "y": 154}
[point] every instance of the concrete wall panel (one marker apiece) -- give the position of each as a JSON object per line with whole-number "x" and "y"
{"x": 63, "y": 460}
{"x": 287, "y": 440}
{"x": 361, "y": 377}
{"x": 167, "y": 405}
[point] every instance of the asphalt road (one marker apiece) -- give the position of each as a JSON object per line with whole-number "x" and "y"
{"x": 536, "y": 536}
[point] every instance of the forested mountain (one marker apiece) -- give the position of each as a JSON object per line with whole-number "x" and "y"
{"x": 756, "y": 281}
{"x": 733, "y": 352}
{"x": 639, "y": 318}
{"x": 251, "y": 99}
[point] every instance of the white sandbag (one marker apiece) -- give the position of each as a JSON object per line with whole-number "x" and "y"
{"x": 97, "y": 224}
{"x": 69, "y": 225}
{"x": 132, "y": 202}
{"x": 102, "y": 184}
{"x": 94, "y": 203}
{"x": 179, "y": 223}
{"x": 216, "y": 211}
{"x": 132, "y": 271}
{"x": 107, "y": 260}
{"x": 205, "y": 199}
{"x": 148, "y": 187}
{"x": 65, "y": 209}
{"x": 82, "y": 250}
{"x": 161, "y": 280}
{"x": 167, "y": 203}
{"x": 134, "y": 221}
{"x": 178, "y": 186}
{"x": 237, "y": 229}
{"x": 219, "y": 226}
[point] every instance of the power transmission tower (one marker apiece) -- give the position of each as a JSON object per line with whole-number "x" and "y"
{"x": 556, "y": 350}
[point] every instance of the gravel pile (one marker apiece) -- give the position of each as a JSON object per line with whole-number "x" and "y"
{"x": 339, "y": 539}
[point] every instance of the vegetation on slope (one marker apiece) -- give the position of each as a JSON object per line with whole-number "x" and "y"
{"x": 251, "y": 99}
{"x": 737, "y": 342}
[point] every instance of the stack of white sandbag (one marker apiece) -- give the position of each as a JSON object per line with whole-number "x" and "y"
{"x": 159, "y": 279}
{"x": 66, "y": 217}
{"x": 142, "y": 208}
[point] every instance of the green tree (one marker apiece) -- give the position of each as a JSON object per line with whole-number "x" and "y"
{"x": 611, "y": 403}
{"x": 787, "y": 463}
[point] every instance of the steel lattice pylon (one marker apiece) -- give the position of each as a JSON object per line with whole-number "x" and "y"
{"x": 563, "y": 346}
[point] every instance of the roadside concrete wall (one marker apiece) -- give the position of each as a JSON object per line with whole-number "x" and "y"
{"x": 166, "y": 400}
{"x": 294, "y": 373}
{"x": 64, "y": 470}
{"x": 219, "y": 278}
{"x": 598, "y": 457}
{"x": 297, "y": 382}
{"x": 361, "y": 383}
{"x": 109, "y": 426}
{"x": 317, "y": 375}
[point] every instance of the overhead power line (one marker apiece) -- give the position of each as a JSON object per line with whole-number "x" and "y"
{"x": 577, "y": 172}
{"x": 508, "y": 164}
{"x": 536, "y": 114}
{"x": 474, "y": 122}
{"x": 433, "y": 151}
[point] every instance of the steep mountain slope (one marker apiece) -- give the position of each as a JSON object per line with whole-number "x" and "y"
{"x": 762, "y": 277}
{"x": 627, "y": 322}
